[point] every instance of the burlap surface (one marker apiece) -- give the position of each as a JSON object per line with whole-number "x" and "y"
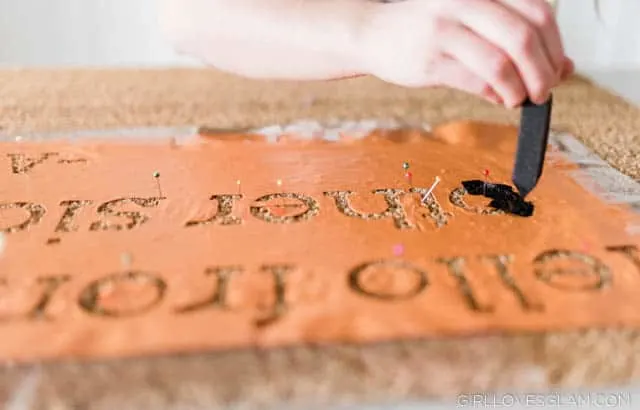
{"x": 305, "y": 376}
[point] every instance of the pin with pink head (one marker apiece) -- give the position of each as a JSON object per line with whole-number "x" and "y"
{"x": 398, "y": 249}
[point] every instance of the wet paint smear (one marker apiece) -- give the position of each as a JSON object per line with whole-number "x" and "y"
{"x": 503, "y": 197}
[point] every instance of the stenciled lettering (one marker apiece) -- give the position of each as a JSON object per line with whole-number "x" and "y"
{"x": 501, "y": 263}
{"x": 390, "y": 267}
{"x": 91, "y": 302}
{"x": 218, "y": 298}
{"x": 72, "y": 161}
{"x": 136, "y": 218}
{"x": 594, "y": 268}
{"x": 455, "y": 266}
{"x": 629, "y": 251}
{"x": 66, "y": 221}
{"x": 223, "y": 214}
{"x": 439, "y": 216}
{"x": 279, "y": 308}
{"x": 36, "y": 212}
{"x": 394, "y": 208}
{"x": 457, "y": 198}
{"x": 50, "y": 284}
{"x": 21, "y": 164}
{"x": 262, "y": 210}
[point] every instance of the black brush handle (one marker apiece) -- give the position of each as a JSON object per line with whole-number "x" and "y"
{"x": 532, "y": 145}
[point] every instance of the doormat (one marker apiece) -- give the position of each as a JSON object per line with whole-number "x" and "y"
{"x": 306, "y": 234}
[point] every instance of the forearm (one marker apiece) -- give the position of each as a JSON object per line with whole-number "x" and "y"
{"x": 277, "y": 39}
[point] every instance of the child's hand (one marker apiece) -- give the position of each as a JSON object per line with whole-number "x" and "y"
{"x": 502, "y": 50}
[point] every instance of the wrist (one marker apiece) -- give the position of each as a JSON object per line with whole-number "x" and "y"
{"x": 354, "y": 47}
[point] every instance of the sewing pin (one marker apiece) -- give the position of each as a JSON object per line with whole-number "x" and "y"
{"x": 409, "y": 177}
{"x": 426, "y": 196}
{"x": 156, "y": 175}
{"x": 279, "y": 183}
{"x": 125, "y": 260}
{"x": 486, "y": 178}
{"x": 398, "y": 249}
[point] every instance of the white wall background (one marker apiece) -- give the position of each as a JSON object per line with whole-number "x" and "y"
{"x": 82, "y": 32}
{"x": 124, "y": 33}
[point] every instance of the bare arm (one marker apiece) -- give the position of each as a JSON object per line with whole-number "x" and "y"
{"x": 501, "y": 50}
{"x": 274, "y": 39}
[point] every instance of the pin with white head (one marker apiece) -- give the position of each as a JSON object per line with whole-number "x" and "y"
{"x": 279, "y": 183}
{"x": 430, "y": 191}
{"x": 126, "y": 260}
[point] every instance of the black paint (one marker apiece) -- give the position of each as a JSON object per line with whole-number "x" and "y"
{"x": 503, "y": 197}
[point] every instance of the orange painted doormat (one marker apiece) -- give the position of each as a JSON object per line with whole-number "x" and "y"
{"x": 131, "y": 247}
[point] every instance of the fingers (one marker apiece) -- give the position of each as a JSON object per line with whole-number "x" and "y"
{"x": 568, "y": 68}
{"x": 454, "y": 74}
{"x": 540, "y": 15}
{"x": 487, "y": 61}
{"x": 515, "y": 37}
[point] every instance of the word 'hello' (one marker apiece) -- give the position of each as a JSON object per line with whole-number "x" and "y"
{"x": 551, "y": 269}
